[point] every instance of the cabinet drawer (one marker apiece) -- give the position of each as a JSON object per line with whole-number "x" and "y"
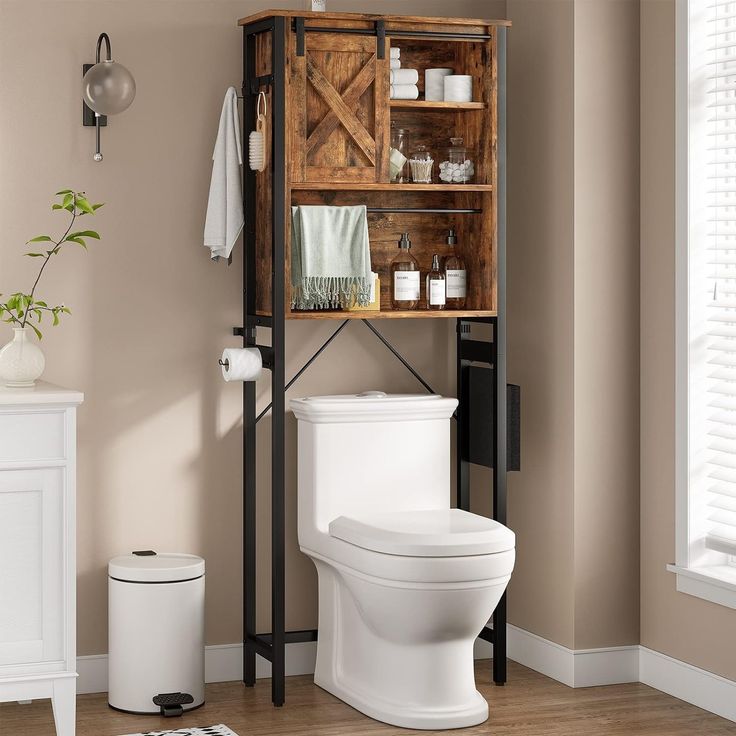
{"x": 32, "y": 436}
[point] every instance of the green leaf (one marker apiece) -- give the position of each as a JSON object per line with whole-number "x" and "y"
{"x": 97, "y": 206}
{"x": 56, "y": 317}
{"x": 66, "y": 310}
{"x": 84, "y": 234}
{"x": 68, "y": 199}
{"x": 37, "y": 331}
{"x": 35, "y": 255}
{"x": 79, "y": 241}
{"x": 42, "y": 304}
{"x": 41, "y": 239}
{"x": 56, "y": 207}
{"x": 84, "y": 205}
{"x": 64, "y": 191}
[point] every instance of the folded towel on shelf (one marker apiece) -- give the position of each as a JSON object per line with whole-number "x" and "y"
{"x": 395, "y": 63}
{"x": 225, "y": 219}
{"x": 404, "y": 92}
{"x": 395, "y": 52}
{"x": 404, "y": 76}
{"x": 330, "y": 257}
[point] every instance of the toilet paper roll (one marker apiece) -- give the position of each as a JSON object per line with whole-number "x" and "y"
{"x": 403, "y": 76}
{"x": 458, "y": 88}
{"x": 434, "y": 83}
{"x": 395, "y": 52}
{"x": 242, "y": 364}
{"x": 395, "y": 63}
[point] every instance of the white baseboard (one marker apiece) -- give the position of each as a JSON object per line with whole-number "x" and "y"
{"x": 687, "y": 682}
{"x": 222, "y": 663}
{"x": 576, "y": 668}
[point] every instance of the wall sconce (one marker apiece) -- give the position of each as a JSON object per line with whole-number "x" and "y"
{"x": 107, "y": 89}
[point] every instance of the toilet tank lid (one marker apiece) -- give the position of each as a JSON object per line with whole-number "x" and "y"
{"x": 147, "y": 566}
{"x": 372, "y": 406}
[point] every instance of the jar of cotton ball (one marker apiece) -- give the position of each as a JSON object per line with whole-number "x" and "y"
{"x": 458, "y": 166}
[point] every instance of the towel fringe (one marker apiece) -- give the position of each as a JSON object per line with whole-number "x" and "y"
{"x": 331, "y": 292}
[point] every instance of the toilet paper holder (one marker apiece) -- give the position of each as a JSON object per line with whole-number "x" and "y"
{"x": 266, "y": 358}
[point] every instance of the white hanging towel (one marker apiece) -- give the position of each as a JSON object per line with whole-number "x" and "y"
{"x": 225, "y": 204}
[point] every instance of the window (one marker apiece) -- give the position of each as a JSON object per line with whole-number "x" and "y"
{"x": 706, "y": 291}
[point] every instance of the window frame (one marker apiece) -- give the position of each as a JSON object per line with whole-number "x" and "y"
{"x": 714, "y": 583}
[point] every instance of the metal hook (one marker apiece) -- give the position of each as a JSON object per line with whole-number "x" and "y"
{"x": 261, "y": 96}
{"x": 224, "y": 363}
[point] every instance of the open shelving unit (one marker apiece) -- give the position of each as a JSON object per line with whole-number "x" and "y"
{"x": 326, "y": 78}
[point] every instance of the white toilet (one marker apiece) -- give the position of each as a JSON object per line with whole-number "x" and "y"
{"x": 405, "y": 582}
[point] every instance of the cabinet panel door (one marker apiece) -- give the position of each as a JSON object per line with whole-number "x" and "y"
{"x": 32, "y": 610}
{"x": 338, "y": 109}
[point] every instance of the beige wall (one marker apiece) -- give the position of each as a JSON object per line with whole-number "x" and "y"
{"x": 606, "y": 339}
{"x": 159, "y": 433}
{"x": 160, "y": 461}
{"x": 679, "y": 625}
{"x": 540, "y": 312}
{"x": 573, "y": 317}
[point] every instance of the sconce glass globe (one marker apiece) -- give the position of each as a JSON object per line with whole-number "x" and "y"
{"x": 108, "y": 88}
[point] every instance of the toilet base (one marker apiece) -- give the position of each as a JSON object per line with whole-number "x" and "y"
{"x": 402, "y": 715}
{"x": 402, "y": 654}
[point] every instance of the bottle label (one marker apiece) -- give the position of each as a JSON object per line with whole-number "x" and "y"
{"x": 436, "y": 292}
{"x": 406, "y": 286}
{"x": 456, "y": 283}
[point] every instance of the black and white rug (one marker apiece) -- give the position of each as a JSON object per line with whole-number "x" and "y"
{"x": 203, "y": 731}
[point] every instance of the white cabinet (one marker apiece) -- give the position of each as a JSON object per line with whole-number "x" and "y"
{"x": 37, "y": 548}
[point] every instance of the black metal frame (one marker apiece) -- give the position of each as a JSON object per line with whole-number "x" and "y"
{"x": 271, "y": 646}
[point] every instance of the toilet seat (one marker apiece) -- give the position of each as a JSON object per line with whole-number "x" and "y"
{"x": 426, "y": 533}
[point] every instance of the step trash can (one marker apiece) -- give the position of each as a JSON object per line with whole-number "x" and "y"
{"x": 156, "y": 633}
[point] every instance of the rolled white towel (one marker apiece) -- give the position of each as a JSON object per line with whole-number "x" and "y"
{"x": 395, "y": 63}
{"x": 404, "y": 76}
{"x": 404, "y": 92}
{"x": 395, "y": 52}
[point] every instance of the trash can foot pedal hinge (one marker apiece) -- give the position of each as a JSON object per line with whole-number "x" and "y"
{"x": 171, "y": 703}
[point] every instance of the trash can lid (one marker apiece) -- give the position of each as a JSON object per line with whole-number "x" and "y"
{"x": 152, "y": 567}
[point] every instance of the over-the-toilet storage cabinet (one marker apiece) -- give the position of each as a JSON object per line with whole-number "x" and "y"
{"x": 37, "y": 548}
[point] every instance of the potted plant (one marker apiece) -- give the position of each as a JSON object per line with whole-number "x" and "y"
{"x": 21, "y": 360}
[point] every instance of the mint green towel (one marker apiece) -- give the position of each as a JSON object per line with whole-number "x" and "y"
{"x": 330, "y": 256}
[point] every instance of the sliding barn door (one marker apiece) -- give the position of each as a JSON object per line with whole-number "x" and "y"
{"x": 338, "y": 109}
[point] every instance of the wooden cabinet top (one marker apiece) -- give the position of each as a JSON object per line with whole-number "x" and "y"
{"x": 359, "y": 18}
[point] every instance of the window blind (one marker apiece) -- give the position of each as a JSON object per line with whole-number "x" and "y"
{"x": 719, "y": 270}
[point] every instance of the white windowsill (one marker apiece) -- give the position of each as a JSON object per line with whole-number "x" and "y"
{"x": 716, "y": 584}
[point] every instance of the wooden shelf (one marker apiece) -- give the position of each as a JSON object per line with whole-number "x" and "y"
{"x": 338, "y": 186}
{"x": 431, "y": 105}
{"x": 395, "y": 314}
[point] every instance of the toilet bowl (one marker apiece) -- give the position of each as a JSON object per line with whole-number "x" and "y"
{"x": 406, "y": 583}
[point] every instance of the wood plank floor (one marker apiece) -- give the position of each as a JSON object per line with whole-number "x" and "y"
{"x": 529, "y": 705}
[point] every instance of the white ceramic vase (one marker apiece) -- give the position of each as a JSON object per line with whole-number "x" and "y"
{"x": 21, "y": 360}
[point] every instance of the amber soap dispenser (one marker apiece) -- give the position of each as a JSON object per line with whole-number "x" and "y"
{"x": 404, "y": 277}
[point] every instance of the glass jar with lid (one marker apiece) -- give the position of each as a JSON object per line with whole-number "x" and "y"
{"x": 422, "y": 164}
{"x": 458, "y": 163}
{"x": 399, "y": 156}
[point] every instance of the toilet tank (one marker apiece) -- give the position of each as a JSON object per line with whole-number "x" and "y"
{"x": 369, "y": 452}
